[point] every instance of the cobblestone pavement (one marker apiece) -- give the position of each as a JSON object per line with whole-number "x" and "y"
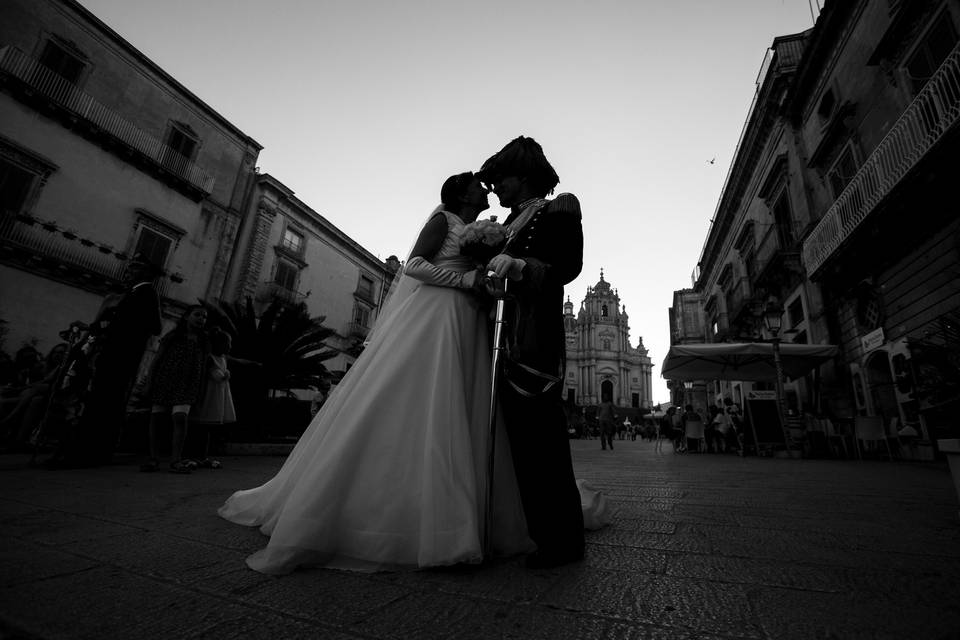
{"x": 703, "y": 546}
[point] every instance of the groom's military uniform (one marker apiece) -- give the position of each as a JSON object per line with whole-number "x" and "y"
{"x": 547, "y": 235}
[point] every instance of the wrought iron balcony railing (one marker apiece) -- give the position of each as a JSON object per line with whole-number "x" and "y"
{"x": 43, "y": 241}
{"x": 270, "y": 290}
{"x": 32, "y": 241}
{"x": 934, "y": 111}
{"x": 66, "y": 95}
{"x": 357, "y": 329}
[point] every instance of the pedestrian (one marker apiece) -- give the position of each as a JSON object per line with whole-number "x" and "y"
{"x": 665, "y": 429}
{"x": 544, "y": 252}
{"x": 215, "y": 408}
{"x": 735, "y": 424}
{"x": 607, "y": 415}
{"x": 676, "y": 431}
{"x": 176, "y": 383}
{"x": 710, "y": 429}
{"x": 118, "y": 339}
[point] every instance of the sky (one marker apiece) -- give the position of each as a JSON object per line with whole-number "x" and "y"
{"x": 364, "y": 107}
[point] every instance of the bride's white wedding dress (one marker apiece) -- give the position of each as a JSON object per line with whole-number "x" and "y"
{"x": 391, "y": 473}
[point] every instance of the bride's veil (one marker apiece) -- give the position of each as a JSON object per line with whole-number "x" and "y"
{"x": 401, "y": 287}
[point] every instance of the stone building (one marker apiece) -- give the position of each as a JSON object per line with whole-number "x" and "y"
{"x": 288, "y": 251}
{"x": 839, "y": 208}
{"x": 104, "y": 154}
{"x": 601, "y": 363}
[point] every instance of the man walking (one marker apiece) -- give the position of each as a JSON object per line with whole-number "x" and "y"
{"x": 607, "y": 415}
{"x": 544, "y": 252}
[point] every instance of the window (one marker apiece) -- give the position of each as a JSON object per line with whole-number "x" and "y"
{"x": 606, "y": 345}
{"x": 842, "y": 171}
{"x": 361, "y": 316}
{"x": 604, "y": 311}
{"x": 635, "y": 400}
{"x": 726, "y": 277}
{"x": 365, "y": 287}
{"x": 22, "y": 176}
{"x": 58, "y": 58}
{"x": 827, "y": 105}
{"x": 15, "y": 183}
{"x": 155, "y": 247}
{"x": 572, "y": 396}
{"x": 784, "y": 221}
{"x": 795, "y": 312}
{"x": 292, "y": 241}
{"x": 181, "y": 144}
{"x": 931, "y": 52}
{"x": 286, "y": 275}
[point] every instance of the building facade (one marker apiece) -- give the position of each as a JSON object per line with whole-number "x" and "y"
{"x": 103, "y": 155}
{"x": 840, "y": 207}
{"x": 289, "y": 252}
{"x": 601, "y": 363}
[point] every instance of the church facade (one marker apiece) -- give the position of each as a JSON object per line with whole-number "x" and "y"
{"x": 601, "y": 363}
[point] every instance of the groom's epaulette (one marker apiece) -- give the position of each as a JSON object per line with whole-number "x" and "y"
{"x": 564, "y": 203}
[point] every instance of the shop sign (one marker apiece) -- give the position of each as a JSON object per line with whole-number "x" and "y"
{"x": 872, "y": 340}
{"x": 756, "y": 394}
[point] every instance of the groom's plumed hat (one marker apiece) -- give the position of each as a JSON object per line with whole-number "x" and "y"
{"x": 522, "y": 157}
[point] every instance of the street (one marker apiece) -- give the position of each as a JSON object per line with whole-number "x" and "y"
{"x": 703, "y": 546}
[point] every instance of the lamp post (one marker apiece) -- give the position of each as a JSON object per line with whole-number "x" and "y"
{"x": 772, "y": 318}
{"x": 687, "y": 392}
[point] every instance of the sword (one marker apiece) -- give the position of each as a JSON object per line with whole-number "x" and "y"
{"x": 500, "y": 292}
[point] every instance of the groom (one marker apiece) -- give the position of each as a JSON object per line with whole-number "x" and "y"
{"x": 544, "y": 252}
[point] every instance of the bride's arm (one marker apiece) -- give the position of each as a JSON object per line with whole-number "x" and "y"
{"x": 427, "y": 245}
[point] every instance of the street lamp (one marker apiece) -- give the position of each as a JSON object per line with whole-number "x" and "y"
{"x": 688, "y": 392}
{"x": 773, "y": 319}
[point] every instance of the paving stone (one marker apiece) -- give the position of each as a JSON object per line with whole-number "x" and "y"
{"x": 624, "y": 558}
{"x": 58, "y": 528}
{"x": 25, "y": 561}
{"x": 172, "y": 558}
{"x": 337, "y": 598}
{"x": 700, "y": 606}
{"x": 790, "y": 614}
{"x": 112, "y": 603}
{"x": 506, "y": 581}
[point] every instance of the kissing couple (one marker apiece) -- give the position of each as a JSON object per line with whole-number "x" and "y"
{"x": 391, "y": 474}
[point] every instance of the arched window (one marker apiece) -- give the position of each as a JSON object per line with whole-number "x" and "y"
{"x": 603, "y": 311}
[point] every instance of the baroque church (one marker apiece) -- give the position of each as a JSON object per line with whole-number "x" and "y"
{"x": 600, "y": 361}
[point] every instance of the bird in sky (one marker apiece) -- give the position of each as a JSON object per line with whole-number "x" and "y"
{"x": 711, "y": 161}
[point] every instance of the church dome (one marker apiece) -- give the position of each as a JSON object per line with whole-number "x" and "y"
{"x": 602, "y": 287}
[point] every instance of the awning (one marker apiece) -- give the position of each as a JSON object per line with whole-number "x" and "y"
{"x": 742, "y": 361}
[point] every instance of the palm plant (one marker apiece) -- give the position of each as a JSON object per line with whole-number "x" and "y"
{"x": 286, "y": 344}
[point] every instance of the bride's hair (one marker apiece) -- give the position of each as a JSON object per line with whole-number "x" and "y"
{"x": 453, "y": 189}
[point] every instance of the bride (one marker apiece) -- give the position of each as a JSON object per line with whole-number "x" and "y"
{"x": 391, "y": 473}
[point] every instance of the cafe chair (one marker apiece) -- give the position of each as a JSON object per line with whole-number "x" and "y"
{"x": 695, "y": 431}
{"x": 870, "y": 429}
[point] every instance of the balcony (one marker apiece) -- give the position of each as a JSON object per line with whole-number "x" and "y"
{"x": 934, "y": 111}
{"x": 269, "y": 290}
{"x": 356, "y": 329}
{"x": 44, "y": 247}
{"x": 39, "y": 79}
{"x": 31, "y": 241}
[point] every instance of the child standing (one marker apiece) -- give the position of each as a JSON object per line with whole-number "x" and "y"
{"x": 216, "y": 405}
{"x": 176, "y": 382}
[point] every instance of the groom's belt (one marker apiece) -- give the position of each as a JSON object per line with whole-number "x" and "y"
{"x": 526, "y": 380}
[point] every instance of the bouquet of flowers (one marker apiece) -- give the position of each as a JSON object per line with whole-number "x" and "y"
{"x": 483, "y": 239}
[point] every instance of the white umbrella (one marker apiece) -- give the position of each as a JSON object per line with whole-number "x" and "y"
{"x": 742, "y": 361}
